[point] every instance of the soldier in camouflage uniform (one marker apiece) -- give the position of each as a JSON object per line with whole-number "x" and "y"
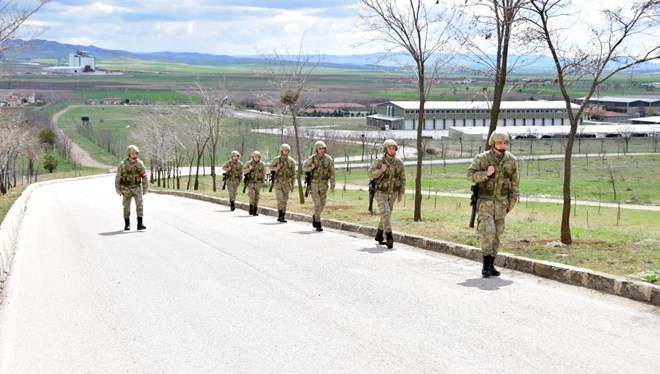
{"x": 255, "y": 170}
{"x": 234, "y": 170}
{"x": 285, "y": 178}
{"x": 322, "y": 169}
{"x": 390, "y": 176}
{"x": 496, "y": 174}
{"x": 131, "y": 183}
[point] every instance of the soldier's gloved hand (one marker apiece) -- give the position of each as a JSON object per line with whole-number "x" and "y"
{"x": 313, "y": 166}
{"x": 228, "y": 168}
{"x": 119, "y": 193}
{"x": 383, "y": 167}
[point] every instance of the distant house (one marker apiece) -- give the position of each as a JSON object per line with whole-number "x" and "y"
{"x": 636, "y": 106}
{"x": 21, "y": 98}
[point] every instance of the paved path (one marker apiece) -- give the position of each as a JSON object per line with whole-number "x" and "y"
{"x": 206, "y": 290}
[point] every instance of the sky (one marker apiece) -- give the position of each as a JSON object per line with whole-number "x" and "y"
{"x": 232, "y": 27}
{"x": 221, "y": 27}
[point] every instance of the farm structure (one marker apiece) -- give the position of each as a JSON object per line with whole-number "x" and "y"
{"x": 442, "y": 115}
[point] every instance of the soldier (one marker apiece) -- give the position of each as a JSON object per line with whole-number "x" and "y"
{"x": 285, "y": 178}
{"x": 496, "y": 174}
{"x": 322, "y": 169}
{"x": 131, "y": 183}
{"x": 234, "y": 170}
{"x": 390, "y": 176}
{"x": 255, "y": 171}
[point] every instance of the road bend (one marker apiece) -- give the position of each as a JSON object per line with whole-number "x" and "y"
{"x": 207, "y": 290}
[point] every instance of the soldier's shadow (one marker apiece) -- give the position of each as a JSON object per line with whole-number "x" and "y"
{"x": 119, "y": 232}
{"x": 486, "y": 284}
{"x": 376, "y": 250}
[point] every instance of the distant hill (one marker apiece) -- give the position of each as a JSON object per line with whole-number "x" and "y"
{"x": 44, "y": 49}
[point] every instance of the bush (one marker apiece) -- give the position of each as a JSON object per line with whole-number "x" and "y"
{"x": 50, "y": 163}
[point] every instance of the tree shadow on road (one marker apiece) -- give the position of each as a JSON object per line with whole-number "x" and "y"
{"x": 486, "y": 284}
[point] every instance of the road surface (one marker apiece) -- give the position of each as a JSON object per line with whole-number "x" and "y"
{"x": 206, "y": 290}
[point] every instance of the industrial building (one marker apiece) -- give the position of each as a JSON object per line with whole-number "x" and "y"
{"x": 442, "y": 115}
{"x": 635, "y": 106}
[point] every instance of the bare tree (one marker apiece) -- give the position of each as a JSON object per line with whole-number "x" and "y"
{"x": 13, "y": 15}
{"x": 607, "y": 52}
{"x": 291, "y": 75}
{"x": 486, "y": 41}
{"x": 409, "y": 28}
{"x": 215, "y": 102}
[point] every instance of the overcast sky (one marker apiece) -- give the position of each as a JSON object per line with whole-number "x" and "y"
{"x": 230, "y": 27}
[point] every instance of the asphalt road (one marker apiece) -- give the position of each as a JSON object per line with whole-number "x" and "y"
{"x": 206, "y": 290}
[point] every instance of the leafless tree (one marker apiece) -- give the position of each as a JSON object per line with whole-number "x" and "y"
{"x": 608, "y": 51}
{"x": 626, "y": 132}
{"x": 13, "y": 15}
{"x": 215, "y": 102}
{"x": 291, "y": 74}
{"x": 487, "y": 37}
{"x": 411, "y": 29}
{"x": 156, "y": 132}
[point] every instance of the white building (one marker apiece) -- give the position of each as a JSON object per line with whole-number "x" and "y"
{"x": 442, "y": 115}
{"x": 82, "y": 60}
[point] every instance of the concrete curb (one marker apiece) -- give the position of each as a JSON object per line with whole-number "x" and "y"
{"x": 602, "y": 282}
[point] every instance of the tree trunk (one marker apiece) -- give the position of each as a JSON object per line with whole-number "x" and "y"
{"x": 301, "y": 194}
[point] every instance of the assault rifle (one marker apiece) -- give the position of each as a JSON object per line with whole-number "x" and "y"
{"x": 246, "y": 176}
{"x": 372, "y": 192}
{"x": 272, "y": 180}
{"x": 473, "y": 202}
{"x": 224, "y": 180}
{"x": 308, "y": 181}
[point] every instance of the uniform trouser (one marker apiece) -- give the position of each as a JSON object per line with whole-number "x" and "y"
{"x": 385, "y": 202}
{"x": 129, "y": 193}
{"x": 253, "y": 190}
{"x": 232, "y": 187}
{"x": 319, "y": 192}
{"x": 282, "y": 195}
{"x": 491, "y": 224}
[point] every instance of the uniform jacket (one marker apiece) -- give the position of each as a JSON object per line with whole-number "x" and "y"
{"x": 131, "y": 174}
{"x": 286, "y": 176}
{"x": 392, "y": 180}
{"x": 256, "y": 172}
{"x": 236, "y": 171}
{"x": 503, "y": 183}
{"x": 324, "y": 170}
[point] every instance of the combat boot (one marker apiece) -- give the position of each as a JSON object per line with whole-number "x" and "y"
{"x": 251, "y": 209}
{"x": 318, "y": 226}
{"x": 379, "y": 237}
{"x": 127, "y": 224}
{"x": 485, "y": 270}
{"x": 280, "y": 217}
{"x": 313, "y": 221}
{"x": 390, "y": 240}
{"x": 254, "y": 211}
{"x": 232, "y": 207}
{"x": 494, "y": 272}
{"x": 140, "y": 225}
{"x": 283, "y": 218}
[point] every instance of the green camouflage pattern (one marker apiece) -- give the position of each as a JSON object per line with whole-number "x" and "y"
{"x": 390, "y": 186}
{"x": 131, "y": 183}
{"x": 234, "y": 170}
{"x": 285, "y": 179}
{"x": 323, "y": 173}
{"x": 256, "y": 171}
{"x": 498, "y": 194}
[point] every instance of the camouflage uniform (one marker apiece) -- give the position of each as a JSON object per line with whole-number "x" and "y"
{"x": 131, "y": 183}
{"x": 498, "y": 194}
{"x": 234, "y": 170}
{"x": 390, "y": 186}
{"x": 285, "y": 178}
{"x": 322, "y": 172}
{"x": 255, "y": 170}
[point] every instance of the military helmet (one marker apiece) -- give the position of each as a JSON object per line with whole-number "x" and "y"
{"x": 285, "y": 147}
{"x": 498, "y": 136}
{"x": 132, "y": 148}
{"x": 390, "y": 143}
{"x": 235, "y": 153}
{"x": 318, "y": 145}
{"x": 256, "y": 153}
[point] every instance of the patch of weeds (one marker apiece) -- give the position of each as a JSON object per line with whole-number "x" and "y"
{"x": 650, "y": 278}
